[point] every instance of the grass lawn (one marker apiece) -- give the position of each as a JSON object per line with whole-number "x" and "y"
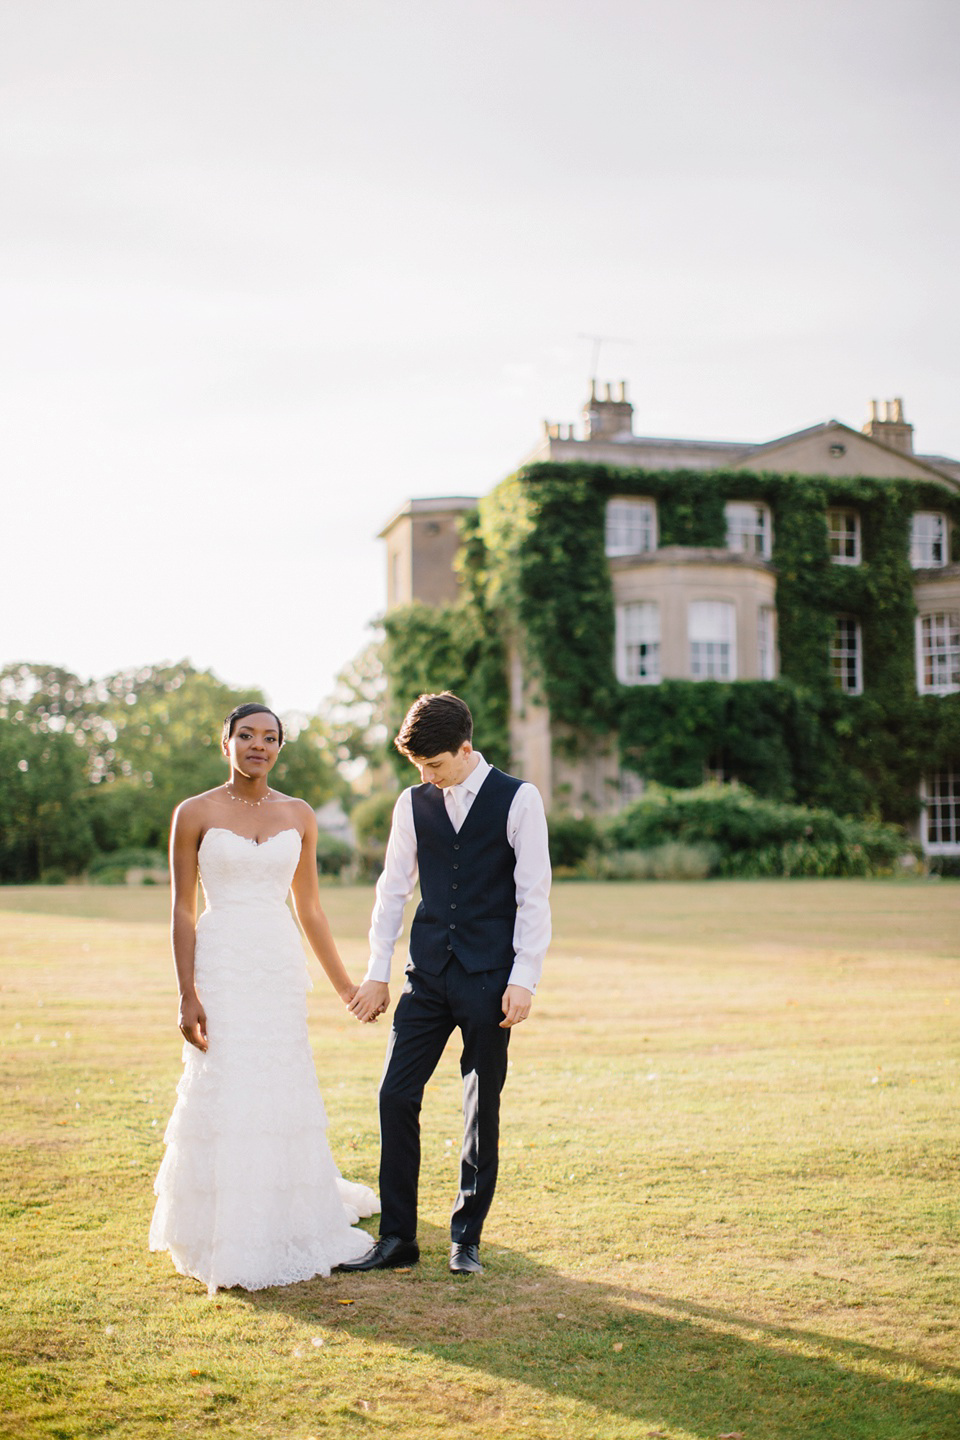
{"x": 727, "y": 1206}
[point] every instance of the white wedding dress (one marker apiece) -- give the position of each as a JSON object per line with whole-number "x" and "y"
{"x": 248, "y": 1193}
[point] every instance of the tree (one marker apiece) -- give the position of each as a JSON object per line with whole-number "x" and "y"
{"x": 145, "y": 737}
{"x": 103, "y": 763}
{"x": 448, "y": 647}
{"x": 355, "y": 714}
{"x": 44, "y": 821}
{"x": 161, "y": 744}
{"x": 307, "y": 766}
{"x": 51, "y": 700}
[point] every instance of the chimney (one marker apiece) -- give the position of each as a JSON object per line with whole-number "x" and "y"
{"x": 886, "y": 424}
{"x": 608, "y": 418}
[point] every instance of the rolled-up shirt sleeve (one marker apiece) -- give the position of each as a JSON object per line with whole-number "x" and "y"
{"x": 394, "y": 889}
{"x": 527, "y": 833}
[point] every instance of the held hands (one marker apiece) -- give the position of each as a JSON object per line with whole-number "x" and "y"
{"x": 373, "y": 998}
{"x": 515, "y": 1005}
{"x": 370, "y": 1000}
{"x": 193, "y": 1021}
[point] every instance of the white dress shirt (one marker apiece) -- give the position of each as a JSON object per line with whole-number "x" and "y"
{"x": 527, "y": 835}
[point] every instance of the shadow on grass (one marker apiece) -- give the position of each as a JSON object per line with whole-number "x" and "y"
{"x": 632, "y": 1355}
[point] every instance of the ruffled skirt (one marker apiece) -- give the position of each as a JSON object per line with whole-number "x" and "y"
{"x": 248, "y": 1193}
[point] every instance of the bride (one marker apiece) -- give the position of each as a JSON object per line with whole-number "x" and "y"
{"x": 248, "y": 1193}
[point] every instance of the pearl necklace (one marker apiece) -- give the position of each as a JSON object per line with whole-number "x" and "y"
{"x": 254, "y": 804}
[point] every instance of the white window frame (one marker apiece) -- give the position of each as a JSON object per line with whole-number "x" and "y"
{"x": 941, "y": 789}
{"x": 929, "y": 539}
{"x": 630, "y": 526}
{"x": 766, "y": 642}
{"x": 938, "y": 650}
{"x": 850, "y": 682}
{"x": 749, "y": 527}
{"x": 840, "y": 534}
{"x": 638, "y": 642}
{"x": 712, "y": 639}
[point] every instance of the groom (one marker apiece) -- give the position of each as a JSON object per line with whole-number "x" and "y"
{"x": 478, "y": 839}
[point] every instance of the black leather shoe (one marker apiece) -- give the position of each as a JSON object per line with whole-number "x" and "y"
{"x": 389, "y": 1252}
{"x": 465, "y": 1259}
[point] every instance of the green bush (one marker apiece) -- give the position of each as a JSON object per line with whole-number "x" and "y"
{"x": 572, "y": 837}
{"x": 801, "y": 858}
{"x": 753, "y": 836}
{"x": 371, "y": 818}
{"x": 672, "y": 861}
{"x": 946, "y": 866}
{"x": 333, "y": 854}
{"x": 371, "y": 823}
{"x": 111, "y": 868}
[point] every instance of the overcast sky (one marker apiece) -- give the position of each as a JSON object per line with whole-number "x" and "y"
{"x": 268, "y": 269}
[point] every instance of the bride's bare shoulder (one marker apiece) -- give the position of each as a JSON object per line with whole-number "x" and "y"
{"x": 195, "y": 809}
{"x": 278, "y": 798}
{"x": 298, "y": 810}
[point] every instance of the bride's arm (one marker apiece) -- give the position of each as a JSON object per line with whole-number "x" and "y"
{"x": 314, "y": 923}
{"x": 184, "y": 841}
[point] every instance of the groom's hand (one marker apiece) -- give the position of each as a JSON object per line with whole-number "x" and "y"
{"x": 371, "y": 1000}
{"x": 515, "y": 1005}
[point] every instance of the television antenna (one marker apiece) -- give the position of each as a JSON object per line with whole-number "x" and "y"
{"x": 598, "y": 341}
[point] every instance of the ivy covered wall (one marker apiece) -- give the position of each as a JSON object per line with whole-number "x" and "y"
{"x": 535, "y": 573}
{"x": 452, "y": 647}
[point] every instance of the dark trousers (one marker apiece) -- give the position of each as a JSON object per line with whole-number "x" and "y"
{"x": 427, "y": 1012}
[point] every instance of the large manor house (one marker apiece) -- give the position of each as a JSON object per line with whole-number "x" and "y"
{"x": 712, "y": 611}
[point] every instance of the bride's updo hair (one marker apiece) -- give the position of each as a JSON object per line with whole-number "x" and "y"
{"x": 250, "y": 707}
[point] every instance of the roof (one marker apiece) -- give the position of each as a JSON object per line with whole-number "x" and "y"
{"x": 833, "y": 427}
{"x": 430, "y": 505}
{"x": 670, "y": 453}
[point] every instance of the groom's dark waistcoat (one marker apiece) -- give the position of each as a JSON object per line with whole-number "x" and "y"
{"x": 469, "y": 898}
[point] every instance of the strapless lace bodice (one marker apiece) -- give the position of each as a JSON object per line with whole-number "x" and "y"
{"x": 235, "y": 870}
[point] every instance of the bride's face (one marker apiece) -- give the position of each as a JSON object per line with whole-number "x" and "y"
{"x": 253, "y": 747}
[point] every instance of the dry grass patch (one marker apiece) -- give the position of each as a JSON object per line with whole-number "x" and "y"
{"x": 728, "y": 1195}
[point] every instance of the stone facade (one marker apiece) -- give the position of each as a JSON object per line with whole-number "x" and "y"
{"x": 673, "y": 577}
{"x": 422, "y": 541}
{"x": 658, "y": 589}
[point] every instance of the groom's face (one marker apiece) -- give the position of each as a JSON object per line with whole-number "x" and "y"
{"x": 448, "y": 768}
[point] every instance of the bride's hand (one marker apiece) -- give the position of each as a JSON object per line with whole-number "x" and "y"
{"x": 371, "y": 1000}
{"x": 347, "y": 995}
{"x": 193, "y": 1021}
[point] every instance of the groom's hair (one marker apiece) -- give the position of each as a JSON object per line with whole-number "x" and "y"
{"x": 250, "y": 707}
{"x": 433, "y": 725}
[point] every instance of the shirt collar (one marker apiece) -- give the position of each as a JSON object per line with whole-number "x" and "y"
{"x": 477, "y": 775}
